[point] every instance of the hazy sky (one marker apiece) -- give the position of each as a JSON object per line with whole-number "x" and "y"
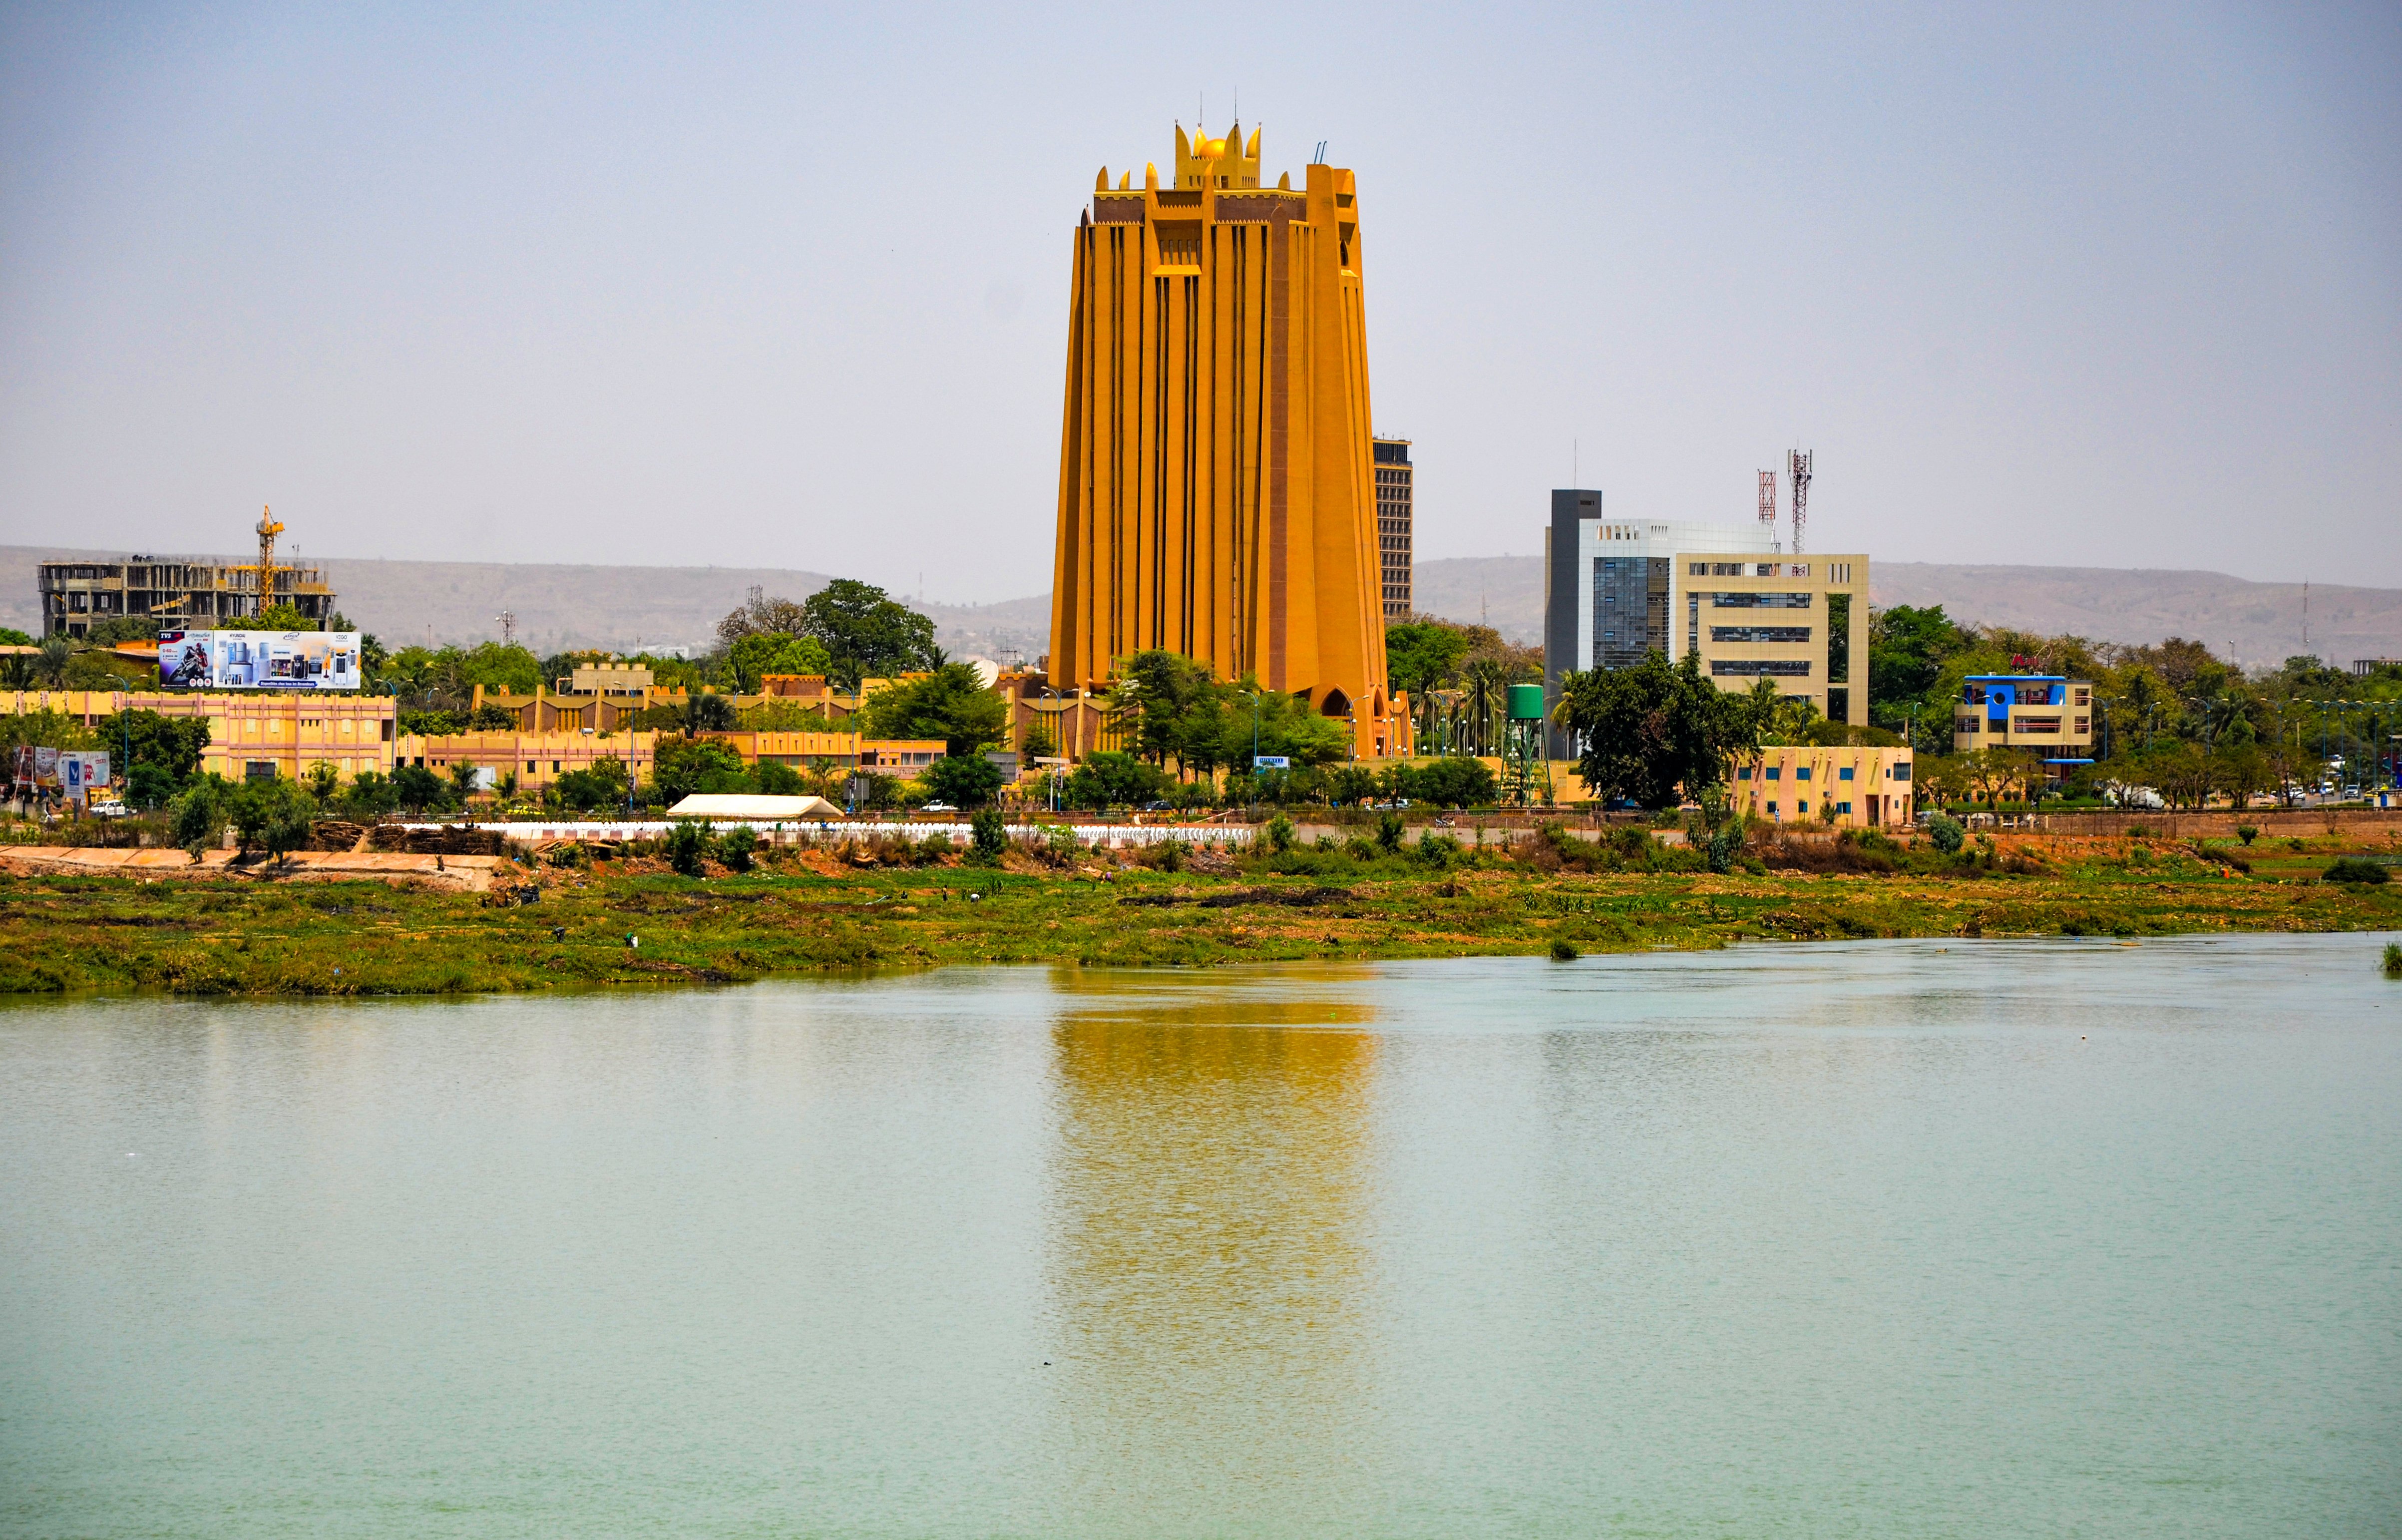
{"x": 2051, "y": 285}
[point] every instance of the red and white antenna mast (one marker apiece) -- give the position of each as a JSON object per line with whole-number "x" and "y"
{"x": 1797, "y": 467}
{"x": 1768, "y": 500}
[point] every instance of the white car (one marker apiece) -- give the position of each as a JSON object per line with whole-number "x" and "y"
{"x": 111, "y": 808}
{"x": 938, "y": 807}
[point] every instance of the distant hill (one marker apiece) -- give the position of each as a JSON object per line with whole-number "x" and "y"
{"x": 559, "y": 606}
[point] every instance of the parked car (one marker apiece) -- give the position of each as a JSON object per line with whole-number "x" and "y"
{"x": 110, "y": 808}
{"x": 1159, "y": 807}
{"x": 938, "y": 807}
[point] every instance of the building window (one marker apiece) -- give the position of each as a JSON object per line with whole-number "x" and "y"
{"x": 1844, "y": 773}
{"x": 1902, "y": 772}
{"x": 1743, "y": 771}
{"x": 1802, "y": 773}
{"x": 1741, "y": 599}
{"x": 1772, "y": 809}
{"x": 1843, "y": 807}
{"x": 2084, "y": 726}
{"x": 1802, "y": 806}
{"x": 1964, "y": 724}
{"x": 1782, "y": 635}
{"x": 1775, "y": 771}
{"x": 1755, "y": 667}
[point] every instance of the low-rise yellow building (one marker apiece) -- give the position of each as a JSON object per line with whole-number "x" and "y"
{"x": 1797, "y": 784}
{"x": 253, "y": 736}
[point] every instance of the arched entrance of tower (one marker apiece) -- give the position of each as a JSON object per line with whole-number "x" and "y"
{"x": 1336, "y": 703}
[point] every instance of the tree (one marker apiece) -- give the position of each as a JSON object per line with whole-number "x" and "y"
{"x": 199, "y": 814}
{"x": 160, "y": 755}
{"x": 758, "y": 615}
{"x": 603, "y": 784}
{"x": 707, "y": 713}
{"x": 370, "y": 794}
{"x": 1907, "y": 650}
{"x": 988, "y": 837}
{"x": 866, "y": 634}
{"x": 416, "y": 787}
{"x": 778, "y": 780}
{"x": 1110, "y": 778}
{"x": 969, "y": 780}
{"x": 950, "y": 704}
{"x": 1420, "y": 654}
{"x": 1655, "y": 729}
{"x": 687, "y": 845}
{"x": 1157, "y": 698}
{"x": 272, "y": 815}
{"x": 1038, "y": 742}
{"x": 685, "y": 766}
{"x": 1244, "y": 712}
{"x": 280, "y": 617}
{"x": 755, "y": 656}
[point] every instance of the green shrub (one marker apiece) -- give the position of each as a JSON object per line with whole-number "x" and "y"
{"x": 1563, "y": 952}
{"x": 1171, "y": 855}
{"x": 199, "y": 814}
{"x": 1438, "y": 850}
{"x": 735, "y": 847}
{"x": 1389, "y": 833}
{"x": 687, "y": 843}
{"x": 1947, "y": 831}
{"x": 2245, "y": 832}
{"x": 1063, "y": 844}
{"x": 987, "y": 835}
{"x": 1279, "y": 833}
{"x": 2394, "y": 960}
{"x": 2352, "y": 869}
{"x": 965, "y": 781}
{"x": 272, "y": 815}
{"x": 1725, "y": 846}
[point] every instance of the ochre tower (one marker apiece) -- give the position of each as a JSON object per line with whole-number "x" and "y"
{"x": 1216, "y": 497}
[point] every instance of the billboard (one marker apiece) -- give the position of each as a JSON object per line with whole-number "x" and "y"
{"x": 260, "y": 660}
{"x": 74, "y": 773}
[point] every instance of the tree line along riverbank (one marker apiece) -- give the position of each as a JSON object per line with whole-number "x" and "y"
{"x": 570, "y": 920}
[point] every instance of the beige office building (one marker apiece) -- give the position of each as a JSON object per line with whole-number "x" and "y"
{"x": 1800, "y": 621}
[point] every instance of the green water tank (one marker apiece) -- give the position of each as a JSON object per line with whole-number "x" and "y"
{"x": 1525, "y": 703}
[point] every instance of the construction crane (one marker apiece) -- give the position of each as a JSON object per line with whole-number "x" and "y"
{"x": 1797, "y": 467}
{"x": 268, "y": 529}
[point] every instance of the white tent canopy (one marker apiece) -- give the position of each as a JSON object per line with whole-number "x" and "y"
{"x": 756, "y": 809}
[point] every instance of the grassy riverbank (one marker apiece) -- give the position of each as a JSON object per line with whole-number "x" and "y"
{"x": 253, "y": 937}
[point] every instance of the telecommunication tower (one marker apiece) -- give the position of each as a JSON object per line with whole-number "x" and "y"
{"x": 1768, "y": 498}
{"x": 1797, "y": 467}
{"x": 508, "y": 620}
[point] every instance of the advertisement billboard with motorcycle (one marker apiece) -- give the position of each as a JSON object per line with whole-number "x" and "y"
{"x": 260, "y": 660}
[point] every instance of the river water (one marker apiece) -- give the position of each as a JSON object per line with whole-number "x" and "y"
{"x": 1875, "y": 1239}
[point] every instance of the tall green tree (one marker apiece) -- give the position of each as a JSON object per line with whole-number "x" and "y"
{"x": 950, "y": 702}
{"x": 867, "y": 634}
{"x": 1655, "y": 730}
{"x": 1161, "y": 700}
{"x": 763, "y": 652}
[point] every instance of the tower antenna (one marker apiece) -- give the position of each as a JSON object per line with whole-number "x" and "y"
{"x": 1768, "y": 500}
{"x": 1797, "y": 467}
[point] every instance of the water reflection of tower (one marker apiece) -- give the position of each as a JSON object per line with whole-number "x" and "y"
{"x": 1207, "y": 1235}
